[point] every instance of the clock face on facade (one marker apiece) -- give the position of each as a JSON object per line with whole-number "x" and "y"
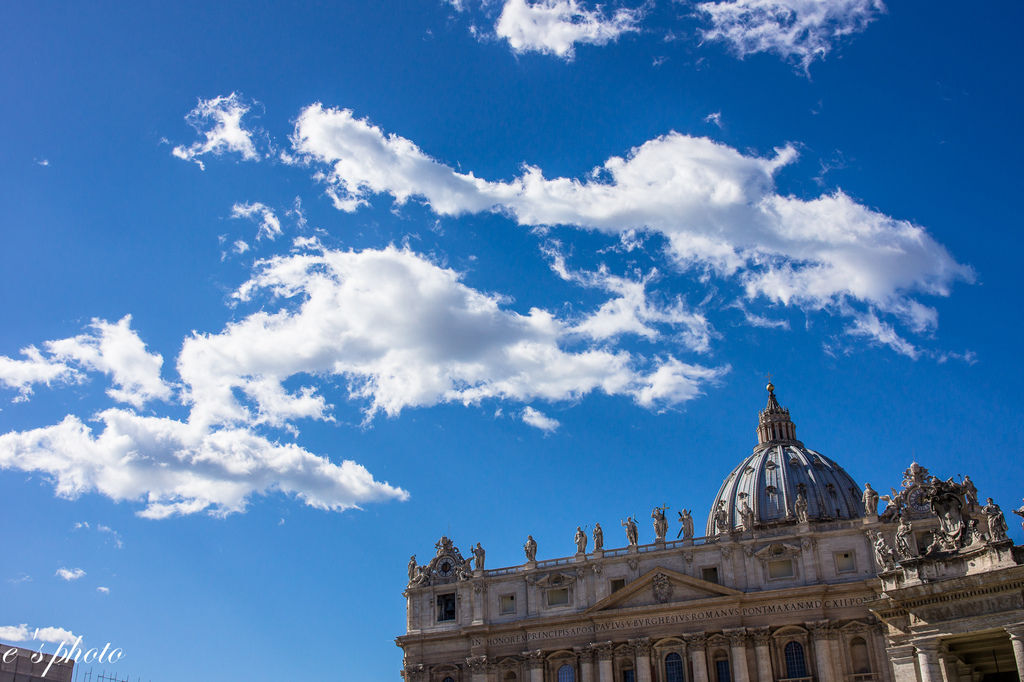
{"x": 446, "y": 568}
{"x": 916, "y": 501}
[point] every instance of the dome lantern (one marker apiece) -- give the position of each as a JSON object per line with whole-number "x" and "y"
{"x": 773, "y": 423}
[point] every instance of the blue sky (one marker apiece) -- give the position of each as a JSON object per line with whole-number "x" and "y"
{"x": 290, "y": 293}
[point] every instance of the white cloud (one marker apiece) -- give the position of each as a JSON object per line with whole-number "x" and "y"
{"x": 43, "y": 162}
{"x": 717, "y": 208}
{"x": 115, "y": 536}
{"x": 270, "y": 225}
{"x": 403, "y": 331}
{"x": 182, "y": 468}
{"x": 14, "y": 633}
{"x": 22, "y": 633}
{"x": 34, "y": 369}
{"x": 115, "y": 349}
{"x": 755, "y": 320}
{"x": 219, "y": 121}
{"x": 539, "y": 420}
{"x": 802, "y": 30}
{"x": 715, "y": 118}
{"x": 103, "y": 590}
{"x": 111, "y": 348}
{"x": 400, "y": 330}
{"x": 876, "y": 331}
{"x": 631, "y": 311}
{"x": 556, "y": 26}
{"x": 69, "y": 574}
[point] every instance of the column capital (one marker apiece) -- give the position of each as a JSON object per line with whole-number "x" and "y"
{"x": 603, "y": 649}
{"x": 737, "y": 636}
{"x": 534, "y": 659}
{"x": 821, "y": 629}
{"x": 927, "y": 646}
{"x": 584, "y": 653}
{"x": 477, "y": 664}
{"x": 696, "y": 641}
{"x": 641, "y": 645}
{"x": 415, "y": 673}
{"x": 762, "y": 635}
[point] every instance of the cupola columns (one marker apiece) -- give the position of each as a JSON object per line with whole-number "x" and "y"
{"x": 774, "y": 427}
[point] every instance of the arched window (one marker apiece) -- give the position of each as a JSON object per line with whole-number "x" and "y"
{"x": 509, "y": 676}
{"x": 673, "y": 668}
{"x": 796, "y": 666}
{"x": 859, "y": 655}
{"x": 566, "y": 673}
{"x": 722, "y": 667}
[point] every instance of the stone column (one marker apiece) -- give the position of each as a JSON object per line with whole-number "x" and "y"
{"x": 479, "y": 594}
{"x": 738, "y": 649}
{"x": 534, "y": 664}
{"x": 901, "y": 658}
{"x": 585, "y": 655}
{"x": 477, "y": 668}
{"x": 642, "y": 647}
{"x": 928, "y": 661}
{"x": 879, "y": 659}
{"x": 763, "y": 654}
{"x": 698, "y": 656}
{"x": 822, "y": 649}
{"x": 1017, "y": 642}
{"x": 604, "y": 662}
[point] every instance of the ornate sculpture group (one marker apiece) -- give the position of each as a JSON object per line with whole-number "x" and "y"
{"x": 962, "y": 522}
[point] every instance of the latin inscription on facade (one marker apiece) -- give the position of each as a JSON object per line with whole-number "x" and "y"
{"x": 702, "y": 615}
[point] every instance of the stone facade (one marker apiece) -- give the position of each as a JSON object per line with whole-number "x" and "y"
{"x": 806, "y": 582}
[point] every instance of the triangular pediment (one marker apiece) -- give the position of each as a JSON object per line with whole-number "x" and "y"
{"x": 662, "y": 586}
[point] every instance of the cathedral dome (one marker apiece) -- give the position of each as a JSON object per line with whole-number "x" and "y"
{"x": 782, "y": 480}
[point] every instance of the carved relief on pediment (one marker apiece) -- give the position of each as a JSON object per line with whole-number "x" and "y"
{"x": 777, "y": 550}
{"x": 556, "y": 580}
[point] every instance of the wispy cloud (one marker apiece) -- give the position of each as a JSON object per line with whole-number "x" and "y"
{"x": 539, "y": 420}
{"x": 270, "y": 224}
{"x": 69, "y": 574}
{"x": 800, "y": 30}
{"x": 219, "y": 121}
{"x": 113, "y": 349}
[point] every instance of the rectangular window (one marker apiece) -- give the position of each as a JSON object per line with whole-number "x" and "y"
{"x": 709, "y": 573}
{"x": 628, "y": 676}
{"x": 618, "y": 584}
{"x": 558, "y": 596}
{"x": 507, "y": 603}
{"x": 445, "y": 607}
{"x": 844, "y": 562}
{"x": 781, "y": 568}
